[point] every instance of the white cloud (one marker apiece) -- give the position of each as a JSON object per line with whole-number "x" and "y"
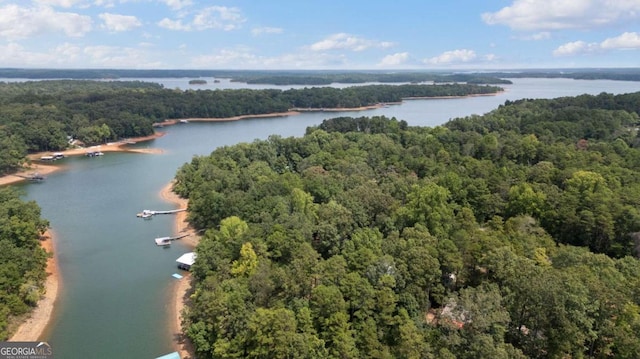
{"x": 244, "y": 58}
{"x": 119, "y": 57}
{"x": 490, "y": 57}
{"x": 19, "y": 22}
{"x": 452, "y": 57}
{"x": 544, "y": 35}
{"x": 266, "y": 30}
{"x": 104, "y": 3}
{"x": 61, "y": 3}
{"x": 118, "y": 23}
{"x": 394, "y": 59}
{"x": 224, "y": 58}
{"x": 532, "y": 15}
{"x": 177, "y": 4}
{"x": 575, "y": 48}
{"x": 218, "y": 17}
{"x": 14, "y": 55}
{"x": 626, "y": 41}
{"x": 173, "y": 25}
{"x": 213, "y": 17}
{"x": 172, "y": 4}
{"x": 343, "y": 41}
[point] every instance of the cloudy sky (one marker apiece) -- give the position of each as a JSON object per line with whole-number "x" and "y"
{"x": 327, "y": 34}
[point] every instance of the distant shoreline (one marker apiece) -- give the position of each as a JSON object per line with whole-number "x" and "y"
{"x": 171, "y": 122}
{"x": 291, "y": 112}
{"x": 298, "y": 110}
{"x": 453, "y": 97}
{"x": 43, "y": 169}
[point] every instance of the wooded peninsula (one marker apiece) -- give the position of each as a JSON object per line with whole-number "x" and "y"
{"x": 42, "y": 116}
{"x": 508, "y": 235}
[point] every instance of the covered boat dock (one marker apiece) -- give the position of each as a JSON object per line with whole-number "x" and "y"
{"x": 186, "y": 260}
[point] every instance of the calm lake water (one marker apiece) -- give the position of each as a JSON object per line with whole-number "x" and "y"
{"x": 115, "y": 294}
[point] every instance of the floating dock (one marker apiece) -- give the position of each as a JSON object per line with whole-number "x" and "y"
{"x": 166, "y": 241}
{"x": 146, "y": 213}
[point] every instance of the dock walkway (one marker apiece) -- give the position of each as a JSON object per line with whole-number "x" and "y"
{"x": 165, "y": 241}
{"x": 148, "y": 212}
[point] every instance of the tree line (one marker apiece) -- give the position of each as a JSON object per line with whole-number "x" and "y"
{"x": 45, "y": 115}
{"x": 319, "y": 77}
{"x": 22, "y": 259}
{"x": 508, "y": 235}
{"x": 273, "y": 77}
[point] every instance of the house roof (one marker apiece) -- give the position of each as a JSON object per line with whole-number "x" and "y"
{"x": 187, "y": 258}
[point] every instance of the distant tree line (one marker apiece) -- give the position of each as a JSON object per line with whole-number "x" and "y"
{"x": 311, "y": 78}
{"x": 45, "y": 115}
{"x": 508, "y": 235}
{"x": 622, "y": 74}
{"x": 317, "y": 77}
{"x": 356, "y": 78}
{"x": 22, "y": 259}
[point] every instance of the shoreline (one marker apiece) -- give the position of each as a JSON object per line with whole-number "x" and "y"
{"x": 298, "y": 110}
{"x": 38, "y": 167}
{"x": 43, "y": 169}
{"x": 171, "y": 122}
{"x": 453, "y": 97}
{"x": 37, "y": 321}
{"x": 181, "y": 290}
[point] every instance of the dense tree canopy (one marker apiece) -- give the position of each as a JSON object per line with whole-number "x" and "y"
{"x": 22, "y": 259}
{"x": 45, "y": 115}
{"x": 508, "y": 235}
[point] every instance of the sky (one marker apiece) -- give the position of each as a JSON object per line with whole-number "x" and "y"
{"x": 320, "y": 35}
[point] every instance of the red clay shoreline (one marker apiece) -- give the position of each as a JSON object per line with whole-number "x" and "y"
{"x": 182, "y": 288}
{"x": 37, "y": 321}
{"x": 299, "y": 110}
{"x": 36, "y": 166}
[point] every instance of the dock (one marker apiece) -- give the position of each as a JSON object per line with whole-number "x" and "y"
{"x": 165, "y": 241}
{"x": 36, "y": 177}
{"x": 146, "y": 213}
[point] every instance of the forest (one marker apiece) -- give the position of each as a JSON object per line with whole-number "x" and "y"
{"x": 509, "y": 235}
{"x": 320, "y": 77}
{"x": 22, "y": 259}
{"x": 273, "y": 77}
{"x": 38, "y": 116}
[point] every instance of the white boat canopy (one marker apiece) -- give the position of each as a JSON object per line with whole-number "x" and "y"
{"x": 187, "y": 259}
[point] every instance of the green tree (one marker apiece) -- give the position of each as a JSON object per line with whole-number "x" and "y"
{"x": 247, "y": 263}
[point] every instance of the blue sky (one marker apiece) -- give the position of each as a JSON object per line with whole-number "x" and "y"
{"x": 327, "y": 34}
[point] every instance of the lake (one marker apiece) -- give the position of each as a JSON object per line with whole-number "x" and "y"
{"x": 114, "y": 299}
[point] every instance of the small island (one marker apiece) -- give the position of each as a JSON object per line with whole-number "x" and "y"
{"x": 197, "y": 82}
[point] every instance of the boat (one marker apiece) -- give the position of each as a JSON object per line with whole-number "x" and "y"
{"x": 146, "y": 213}
{"x": 163, "y": 241}
{"x": 36, "y": 177}
{"x": 94, "y": 153}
